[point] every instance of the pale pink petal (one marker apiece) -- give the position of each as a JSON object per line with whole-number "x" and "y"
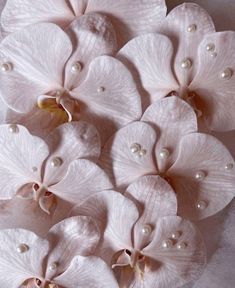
{"x": 120, "y": 161}
{"x": 175, "y": 267}
{"x": 37, "y": 55}
{"x": 92, "y": 36}
{"x": 73, "y": 236}
{"x": 21, "y": 159}
{"x": 83, "y": 179}
{"x": 115, "y": 216}
{"x": 215, "y": 95}
{"x": 109, "y": 98}
{"x": 87, "y": 272}
{"x": 20, "y": 13}
{"x": 155, "y": 198}
{"x": 78, "y": 7}
{"x": 130, "y": 19}
{"x": 172, "y": 118}
{"x": 180, "y": 21}
{"x": 149, "y": 58}
{"x": 16, "y": 267}
{"x": 202, "y": 176}
{"x": 69, "y": 142}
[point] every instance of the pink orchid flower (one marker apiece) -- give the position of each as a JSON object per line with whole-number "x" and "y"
{"x": 60, "y": 261}
{"x": 190, "y": 60}
{"x": 129, "y": 19}
{"x": 145, "y": 243}
{"x": 198, "y": 166}
{"x": 42, "y": 69}
{"x": 59, "y": 167}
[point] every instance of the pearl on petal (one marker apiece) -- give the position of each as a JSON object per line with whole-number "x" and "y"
{"x": 192, "y": 28}
{"x": 186, "y": 63}
{"x": 227, "y": 74}
{"x": 6, "y": 67}
{"x": 56, "y": 162}
{"x": 167, "y": 244}
{"x": 100, "y": 89}
{"x": 135, "y": 148}
{"x": 53, "y": 266}
{"x": 182, "y": 245}
{"x": 13, "y": 128}
{"x": 200, "y": 175}
{"x": 146, "y": 230}
{"x": 229, "y": 166}
{"x": 142, "y": 152}
{"x": 213, "y": 54}
{"x": 210, "y": 47}
{"x": 22, "y": 248}
{"x": 164, "y": 153}
{"x": 76, "y": 67}
{"x": 176, "y": 235}
{"x": 201, "y": 205}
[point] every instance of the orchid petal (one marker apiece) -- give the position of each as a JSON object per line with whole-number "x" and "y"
{"x": 204, "y": 195}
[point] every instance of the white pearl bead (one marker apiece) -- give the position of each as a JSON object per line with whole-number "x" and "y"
{"x": 146, "y": 230}
{"x": 229, "y": 166}
{"x": 56, "y": 162}
{"x": 22, "y": 248}
{"x": 76, "y": 67}
{"x": 182, "y": 245}
{"x": 100, "y": 89}
{"x": 164, "y": 153}
{"x": 53, "y": 266}
{"x": 227, "y": 74}
{"x": 176, "y": 235}
{"x": 210, "y": 47}
{"x": 200, "y": 175}
{"x": 167, "y": 244}
{"x": 201, "y": 205}
{"x": 13, "y": 128}
{"x": 213, "y": 54}
{"x": 192, "y": 28}
{"x": 142, "y": 152}
{"x": 6, "y": 67}
{"x": 135, "y": 148}
{"x": 186, "y": 63}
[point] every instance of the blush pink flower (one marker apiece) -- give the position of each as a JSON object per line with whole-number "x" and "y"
{"x": 60, "y": 260}
{"x": 59, "y": 167}
{"x": 165, "y": 142}
{"x": 146, "y": 244}
{"x": 190, "y": 60}
{"x": 42, "y": 69}
{"x": 129, "y": 19}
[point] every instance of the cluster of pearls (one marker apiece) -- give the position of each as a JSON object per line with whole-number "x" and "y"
{"x": 173, "y": 241}
{"x": 137, "y": 149}
{"x": 200, "y": 175}
{"x": 100, "y": 89}
{"x": 229, "y": 166}
{"x": 227, "y": 74}
{"x": 210, "y": 48}
{"x": 146, "y": 230}
{"x": 186, "y": 63}
{"x": 164, "y": 153}
{"x": 192, "y": 28}
{"x": 6, "y": 67}
{"x": 56, "y": 162}
{"x": 76, "y": 67}
{"x": 22, "y": 248}
{"x": 13, "y": 128}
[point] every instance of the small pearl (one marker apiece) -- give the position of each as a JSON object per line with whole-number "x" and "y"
{"x": 164, "y": 153}
{"x": 13, "y": 128}
{"x": 213, "y": 54}
{"x": 176, "y": 235}
{"x": 210, "y": 47}
{"x": 146, "y": 230}
{"x": 192, "y": 28}
{"x": 6, "y": 67}
{"x": 76, "y": 67}
{"x": 22, "y": 248}
{"x": 100, "y": 89}
{"x": 227, "y": 74}
{"x": 182, "y": 245}
{"x": 53, "y": 266}
{"x": 167, "y": 244}
{"x": 56, "y": 162}
{"x": 201, "y": 205}
{"x": 142, "y": 152}
{"x": 135, "y": 148}
{"x": 186, "y": 63}
{"x": 200, "y": 175}
{"x": 35, "y": 169}
{"x": 229, "y": 166}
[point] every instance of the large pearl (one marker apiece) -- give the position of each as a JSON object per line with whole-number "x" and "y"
{"x": 53, "y": 266}
{"x": 22, "y": 248}
{"x": 164, "y": 153}
{"x": 201, "y": 205}
{"x": 200, "y": 175}
{"x": 146, "y": 230}
{"x": 6, "y": 67}
{"x": 227, "y": 74}
{"x": 56, "y": 162}
{"x": 13, "y": 128}
{"x": 186, "y": 63}
{"x": 76, "y": 67}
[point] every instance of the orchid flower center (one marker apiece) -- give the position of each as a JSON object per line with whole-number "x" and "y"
{"x": 44, "y": 198}
{"x": 38, "y": 283}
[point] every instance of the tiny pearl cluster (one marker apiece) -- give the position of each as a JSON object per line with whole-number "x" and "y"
{"x": 137, "y": 150}
{"x": 172, "y": 241}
